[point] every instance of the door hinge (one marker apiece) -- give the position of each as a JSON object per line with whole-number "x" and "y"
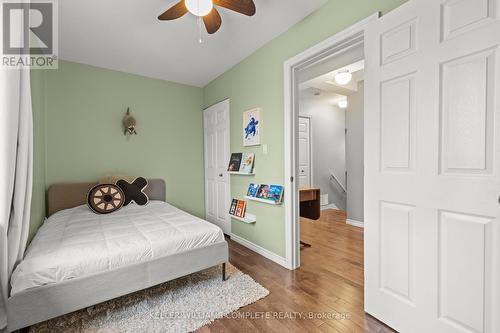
{"x": 291, "y": 179}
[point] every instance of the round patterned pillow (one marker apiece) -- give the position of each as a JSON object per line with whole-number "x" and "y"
{"x": 105, "y": 198}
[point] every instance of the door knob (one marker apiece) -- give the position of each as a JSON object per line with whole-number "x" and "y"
{"x": 220, "y": 175}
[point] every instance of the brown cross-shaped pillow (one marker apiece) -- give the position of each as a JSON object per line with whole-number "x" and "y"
{"x": 134, "y": 191}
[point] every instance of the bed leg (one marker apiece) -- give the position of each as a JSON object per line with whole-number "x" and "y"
{"x": 224, "y": 271}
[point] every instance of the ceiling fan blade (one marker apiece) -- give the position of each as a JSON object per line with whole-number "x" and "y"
{"x": 174, "y": 12}
{"x": 212, "y": 21}
{"x": 245, "y": 7}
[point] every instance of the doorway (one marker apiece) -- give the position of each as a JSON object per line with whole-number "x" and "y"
{"x": 344, "y": 49}
{"x": 330, "y": 129}
{"x": 216, "y": 149}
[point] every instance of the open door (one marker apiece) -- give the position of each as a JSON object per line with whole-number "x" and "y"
{"x": 432, "y": 141}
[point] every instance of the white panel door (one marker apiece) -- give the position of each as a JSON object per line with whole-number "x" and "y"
{"x": 217, "y": 153}
{"x": 304, "y": 152}
{"x": 432, "y": 172}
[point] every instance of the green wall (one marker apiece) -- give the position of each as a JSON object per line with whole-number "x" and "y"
{"x": 82, "y": 108}
{"x": 258, "y": 82}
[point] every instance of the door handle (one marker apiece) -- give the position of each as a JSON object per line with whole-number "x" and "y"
{"x": 221, "y": 175}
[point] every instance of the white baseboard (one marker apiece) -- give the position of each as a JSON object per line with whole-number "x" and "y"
{"x": 356, "y": 223}
{"x": 260, "y": 250}
{"x": 329, "y": 206}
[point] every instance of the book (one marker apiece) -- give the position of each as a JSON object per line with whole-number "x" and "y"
{"x": 263, "y": 192}
{"x": 235, "y": 162}
{"x": 247, "y": 162}
{"x": 232, "y": 210}
{"x": 275, "y": 193}
{"x": 240, "y": 208}
{"x": 252, "y": 190}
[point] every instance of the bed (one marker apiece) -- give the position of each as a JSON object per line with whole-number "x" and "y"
{"x": 78, "y": 258}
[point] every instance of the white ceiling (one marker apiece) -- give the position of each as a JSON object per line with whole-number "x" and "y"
{"x": 325, "y": 83}
{"x": 126, "y": 35}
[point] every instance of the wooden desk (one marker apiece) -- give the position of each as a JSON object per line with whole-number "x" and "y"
{"x": 310, "y": 203}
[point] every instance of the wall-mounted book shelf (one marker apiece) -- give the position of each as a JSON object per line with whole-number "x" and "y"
{"x": 241, "y": 164}
{"x": 269, "y": 202}
{"x": 241, "y": 173}
{"x": 249, "y": 218}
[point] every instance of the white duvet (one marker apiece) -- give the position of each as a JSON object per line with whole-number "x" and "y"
{"x": 77, "y": 242}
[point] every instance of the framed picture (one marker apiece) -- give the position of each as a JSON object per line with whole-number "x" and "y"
{"x": 251, "y": 127}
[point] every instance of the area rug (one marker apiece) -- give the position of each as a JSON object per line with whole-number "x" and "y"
{"x": 182, "y": 305}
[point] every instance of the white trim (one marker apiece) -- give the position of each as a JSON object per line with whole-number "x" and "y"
{"x": 260, "y": 250}
{"x": 322, "y": 49}
{"x": 329, "y": 206}
{"x": 355, "y": 223}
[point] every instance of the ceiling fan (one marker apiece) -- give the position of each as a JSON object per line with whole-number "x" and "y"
{"x": 206, "y": 10}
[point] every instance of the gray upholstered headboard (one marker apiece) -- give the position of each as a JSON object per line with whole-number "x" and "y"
{"x": 69, "y": 195}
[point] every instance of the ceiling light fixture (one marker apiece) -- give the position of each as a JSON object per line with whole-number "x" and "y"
{"x": 206, "y": 11}
{"x": 343, "y": 77}
{"x": 342, "y": 104}
{"x": 199, "y": 7}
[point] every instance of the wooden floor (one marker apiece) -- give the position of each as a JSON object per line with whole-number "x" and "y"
{"x": 329, "y": 284}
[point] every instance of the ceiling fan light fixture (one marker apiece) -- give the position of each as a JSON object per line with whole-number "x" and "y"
{"x": 199, "y": 7}
{"x": 343, "y": 77}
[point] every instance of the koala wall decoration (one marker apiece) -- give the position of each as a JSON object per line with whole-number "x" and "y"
{"x": 129, "y": 123}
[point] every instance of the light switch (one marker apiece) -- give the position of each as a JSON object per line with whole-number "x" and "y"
{"x": 264, "y": 149}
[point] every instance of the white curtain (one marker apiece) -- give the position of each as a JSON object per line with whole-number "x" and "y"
{"x": 16, "y": 172}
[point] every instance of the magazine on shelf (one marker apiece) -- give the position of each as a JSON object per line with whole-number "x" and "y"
{"x": 232, "y": 210}
{"x": 275, "y": 193}
{"x": 240, "y": 208}
{"x": 247, "y": 163}
{"x": 252, "y": 190}
{"x": 263, "y": 192}
{"x": 235, "y": 162}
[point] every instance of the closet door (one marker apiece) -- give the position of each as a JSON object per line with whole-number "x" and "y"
{"x": 305, "y": 152}
{"x": 432, "y": 172}
{"x": 217, "y": 153}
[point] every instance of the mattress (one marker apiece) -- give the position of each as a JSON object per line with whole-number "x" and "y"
{"x": 76, "y": 242}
